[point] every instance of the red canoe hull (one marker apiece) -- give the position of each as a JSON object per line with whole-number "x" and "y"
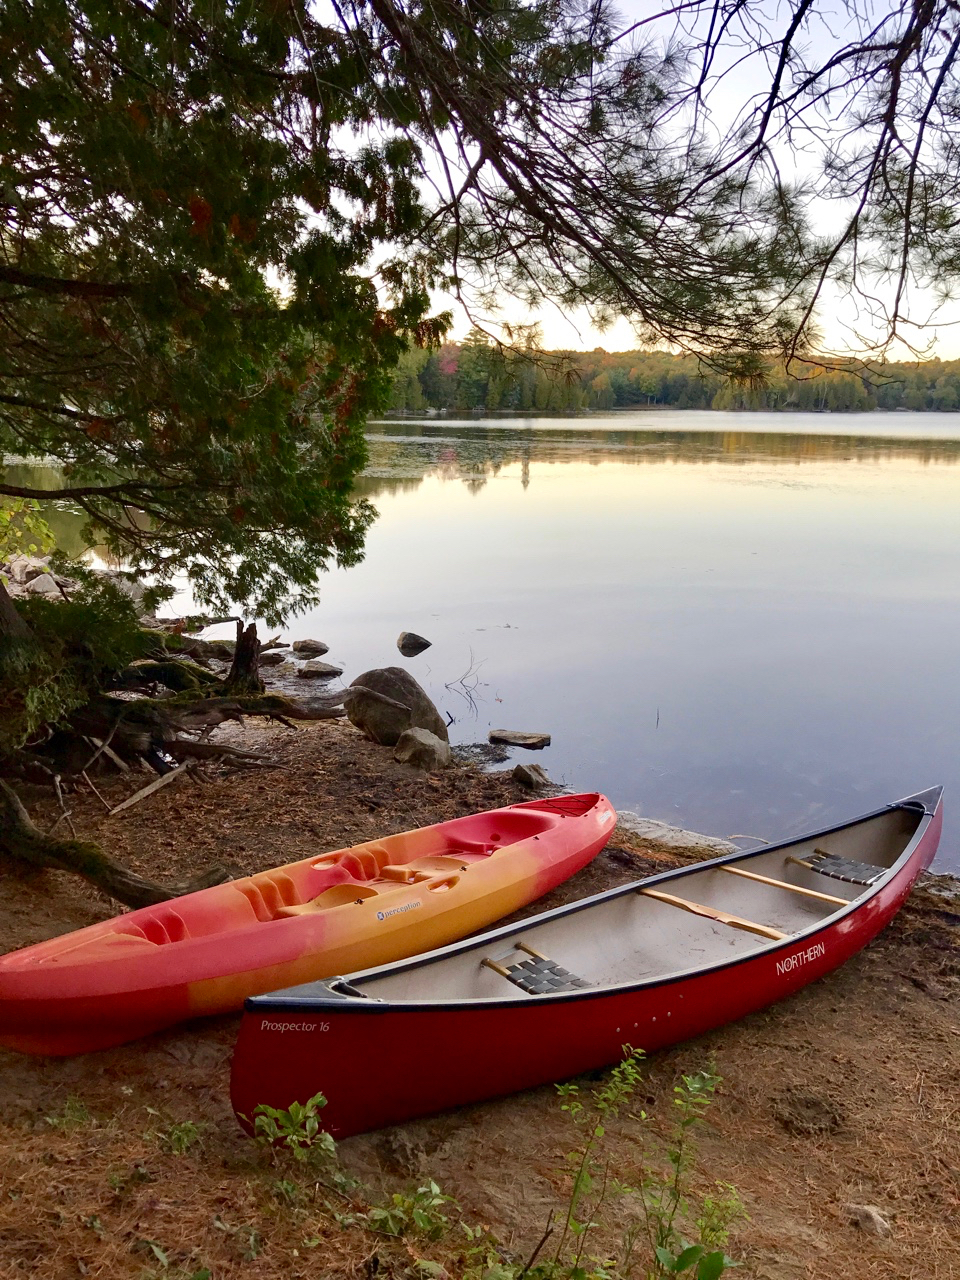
{"x": 378, "y": 1065}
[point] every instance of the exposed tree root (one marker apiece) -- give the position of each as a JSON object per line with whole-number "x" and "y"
{"x": 115, "y": 732}
{"x": 24, "y": 842}
{"x": 174, "y": 674}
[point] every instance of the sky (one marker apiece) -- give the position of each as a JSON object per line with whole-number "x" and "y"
{"x": 841, "y": 317}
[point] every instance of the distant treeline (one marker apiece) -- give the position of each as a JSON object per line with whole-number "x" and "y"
{"x": 477, "y": 376}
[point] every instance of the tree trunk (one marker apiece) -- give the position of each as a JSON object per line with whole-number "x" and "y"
{"x": 11, "y": 624}
{"x": 23, "y": 841}
{"x": 244, "y": 674}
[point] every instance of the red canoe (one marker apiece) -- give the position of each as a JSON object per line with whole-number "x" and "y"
{"x": 330, "y": 913}
{"x": 647, "y": 964}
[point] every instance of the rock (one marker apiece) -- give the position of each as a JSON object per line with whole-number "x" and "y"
{"x": 316, "y": 647}
{"x": 410, "y": 644}
{"x": 530, "y": 775}
{"x": 317, "y": 670}
{"x": 23, "y": 568}
{"x": 222, "y": 650}
{"x": 129, "y": 588}
{"x": 515, "y": 738}
{"x": 284, "y": 669}
{"x": 673, "y": 837}
{"x": 384, "y": 702}
{"x": 868, "y": 1218}
{"x": 272, "y": 658}
{"x": 422, "y": 749}
{"x": 45, "y": 584}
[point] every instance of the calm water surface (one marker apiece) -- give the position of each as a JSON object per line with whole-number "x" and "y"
{"x": 741, "y": 623}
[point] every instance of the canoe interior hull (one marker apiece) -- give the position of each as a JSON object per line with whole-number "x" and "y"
{"x": 445, "y": 1033}
{"x": 333, "y": 913}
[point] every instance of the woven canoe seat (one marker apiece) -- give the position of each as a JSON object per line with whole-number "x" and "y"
{"x": 537, "y": 974}
{"x": 837, "y": 868}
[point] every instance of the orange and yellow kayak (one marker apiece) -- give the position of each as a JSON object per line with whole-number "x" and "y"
{"x": 368, "y": 905}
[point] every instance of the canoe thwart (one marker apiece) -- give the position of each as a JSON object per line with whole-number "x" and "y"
{"x": 713, "y": 913}
{"x": 537, "y": 976}
{"x": 846, "y": 869}
{"x": 785, "y": 884}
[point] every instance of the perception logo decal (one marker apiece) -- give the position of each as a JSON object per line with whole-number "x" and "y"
{"x": 399, "y": 911}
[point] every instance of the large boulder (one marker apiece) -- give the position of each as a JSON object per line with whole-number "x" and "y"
{"x": 23, "y": 568}
{"x": 315, "y": 647}
{"x": 44, "y": 584}
{"x": 386, "y": 701}
{"x": 422, "y": 749}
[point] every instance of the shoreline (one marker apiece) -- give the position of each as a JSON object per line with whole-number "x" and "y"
{"x": 875, "y": 1046}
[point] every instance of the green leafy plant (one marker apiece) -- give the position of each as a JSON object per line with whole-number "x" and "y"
{"x": 419, "y": 1214}
{"x": 74, "y": 649}
{"x": 178, "y": 1138}
{"x": 23, "y": 530}
{"x": 586, "y": 1191}
{"x": 287, "y": 1192}
{"x": 655, "y": 1244}
{"x": 295, "y": 1130}
{"x": 247, "y": 1238}
{"x": 665, "y": 1198}
{"x": 73, "y": 1116}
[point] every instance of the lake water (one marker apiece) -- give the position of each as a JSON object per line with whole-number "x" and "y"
{"x": 740, "y": 623}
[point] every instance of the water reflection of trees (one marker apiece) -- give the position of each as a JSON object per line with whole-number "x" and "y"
{"x": 403, "y": 456}
{"x": 66, "y": 523}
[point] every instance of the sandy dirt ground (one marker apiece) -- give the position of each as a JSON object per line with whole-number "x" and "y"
{"x": 845, "y": 1093}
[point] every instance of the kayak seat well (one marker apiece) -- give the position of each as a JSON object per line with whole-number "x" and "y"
{"x": 269, "y": 893}
{"x": 338, "y": 895}
{"x": 537, "y": 975}
{"x": 159, "y": 927}
{"x": 421, "y": 869}
{"x": 360, "y": 864}
{"x": 166, "y": 927}
{"x": 487, "y": 832}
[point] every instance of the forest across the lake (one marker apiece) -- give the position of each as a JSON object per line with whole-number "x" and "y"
{"x": 479, "y": 375}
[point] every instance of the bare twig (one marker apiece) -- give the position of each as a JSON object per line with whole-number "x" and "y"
{"x": 105, "y": 803}
{"x": 63, "y": 808}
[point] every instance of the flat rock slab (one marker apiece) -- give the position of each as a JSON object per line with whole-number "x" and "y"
{"x": 515, "y": 738}
{"x": 317, "y": 670}
{"x": 673, "y": 837}
{"x": 272, "y": 658}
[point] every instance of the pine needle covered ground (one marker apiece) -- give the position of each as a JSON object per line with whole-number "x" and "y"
{"x": 130, "y": 1163}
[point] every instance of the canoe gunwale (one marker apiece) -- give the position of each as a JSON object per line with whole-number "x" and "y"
{"x": 928, "y": 802}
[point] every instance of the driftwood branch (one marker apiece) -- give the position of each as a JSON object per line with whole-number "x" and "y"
{"x": 149, "y": 789}
{"x": 372, "y": 693}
